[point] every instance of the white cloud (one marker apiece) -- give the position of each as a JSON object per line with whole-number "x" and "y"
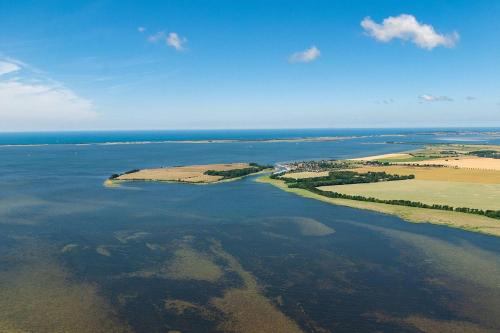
{"x": 31, "y": 102}
{"x": 432, "y": 98}
{"x": 141, "y": 29}
{"x": 156, "y": 37}
{"x": 175, "y": 41}
{"x": 308, "y": 55}
{"x": 172, "y": 39}
{"x": 8, "y": 67}
{"x": 406, "y": 27}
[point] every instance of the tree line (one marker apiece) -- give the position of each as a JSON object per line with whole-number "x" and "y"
{"x": 485, "y": 153}
{"x": 235, "y": 173}
{"x": 342, "y": 178}
{"x": 116, "y": 175}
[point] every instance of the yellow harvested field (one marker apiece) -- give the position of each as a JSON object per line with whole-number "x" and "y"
{"x": 480, "y": 163}
{"x": 455, "y": 194}
{"x": 383, "y": 157}
{"x": 439, "y": 173}
{"x": 189, "y": 174}
{"x": 306, "y": 174}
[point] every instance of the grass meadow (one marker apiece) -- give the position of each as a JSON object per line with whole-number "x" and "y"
{"x": 455, "y": 194}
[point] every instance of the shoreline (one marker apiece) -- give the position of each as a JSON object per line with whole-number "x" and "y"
{"x": 203, "y": 141}
{"x": 467, "y": 222}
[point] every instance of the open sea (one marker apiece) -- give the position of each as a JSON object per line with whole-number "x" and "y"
{"x": 241, "y": 256}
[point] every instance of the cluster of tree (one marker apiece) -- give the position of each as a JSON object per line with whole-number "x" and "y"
{"x": 235, "y": 173}
{"x": 262, "y": 167}
{"x": 343, "y": 178}
{"x": 116, "y": 175}
{"x": 321, "y": 165}
{"x": 489, "y": 213}
{"x": 449, "y": 152}
{"x": 325, "y": 165}
{"x": 377, "y": 163}
{"x": 420, "y": 165}
{"x": 486, "y": 153}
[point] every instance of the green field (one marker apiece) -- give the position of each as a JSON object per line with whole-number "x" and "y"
{"x": 417, "y": 158}
{"x": 455, "y": 194}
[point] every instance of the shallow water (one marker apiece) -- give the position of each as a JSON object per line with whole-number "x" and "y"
{"x": 237, "y": 256}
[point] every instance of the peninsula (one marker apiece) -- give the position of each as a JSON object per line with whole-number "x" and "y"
{"x": 454, "y": 185}
{"x": 194, "y": 174}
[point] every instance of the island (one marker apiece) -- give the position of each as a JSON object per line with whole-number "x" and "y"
{"x": 449, "y": 184}
{"x": 194, "y": 174}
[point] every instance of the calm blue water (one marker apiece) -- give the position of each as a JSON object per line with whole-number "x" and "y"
{"x": 76, "y": 256}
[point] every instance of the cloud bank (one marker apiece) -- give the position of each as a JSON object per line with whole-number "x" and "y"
{"x": 406, "y": 27}
{"x": 432, "y": 98}
{"x": 28, "y": 102}
{"x": 8, "y": 67}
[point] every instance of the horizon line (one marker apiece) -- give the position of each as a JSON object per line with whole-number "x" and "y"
{"x": 244, "y": 129}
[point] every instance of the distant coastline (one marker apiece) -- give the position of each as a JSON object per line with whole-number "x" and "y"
{"x": 30, "y": 139}
{"x": 221, "y": 141}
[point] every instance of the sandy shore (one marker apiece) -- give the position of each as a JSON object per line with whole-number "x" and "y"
{"x": 383, "y": 156}
{"x": 304, "y": 139}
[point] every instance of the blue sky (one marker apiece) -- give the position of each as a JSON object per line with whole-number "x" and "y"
{"x": 248, "y": 64}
